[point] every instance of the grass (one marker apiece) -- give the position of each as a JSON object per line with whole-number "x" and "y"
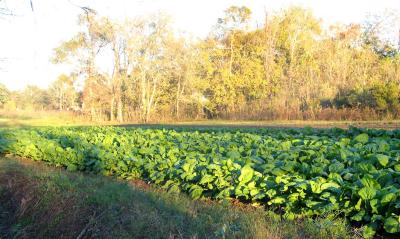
{"x": 393, "y": 124}
{"x": 54, "y": 118}
{"x": 40, "y": 118}
{"x": 37, "y": 201}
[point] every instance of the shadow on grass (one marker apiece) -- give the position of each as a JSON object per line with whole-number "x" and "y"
{"x": 41, "y": 202}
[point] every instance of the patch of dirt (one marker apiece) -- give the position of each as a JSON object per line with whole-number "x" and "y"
{"x": 140, "y": 184}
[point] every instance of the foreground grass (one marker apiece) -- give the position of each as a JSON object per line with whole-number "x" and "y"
{"x": 37, "y": 201}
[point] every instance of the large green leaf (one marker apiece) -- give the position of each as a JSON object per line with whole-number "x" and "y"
{"x": 382, "y": 159}
{"x": 367, "y": 193}
{"x": 369, "y": 230}
{"x": 370, "y": 182}
{"x": 336, "y": 167}
{"x": 392, "y": 225}
{"x": 358, "y": 216}
{"x": 397, "y": 167}
{"x": 196, "y": 191}
{"x": 330, "y": 185}
{"x": 206, "y": 179}
{"x": 233, "y": 155}
{"x": 277, "y": 200}
{"x": 362, "y": 138}
{"x": 246, "y": 174}
{"x": 387, "y": 198}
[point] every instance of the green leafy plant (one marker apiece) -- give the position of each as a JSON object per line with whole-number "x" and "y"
{"x": 298, "y": 172}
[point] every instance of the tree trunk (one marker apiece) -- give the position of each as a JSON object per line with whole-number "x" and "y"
{"x": 231, "y": 56}
{"x": 151, "y": 100}
{"x": 112, "y": 107}
{"x": 143, "y": 87}
{"x": 116, "y": 81}
{"x": 119, "y": 109}
{"x": 177, "y": 100}
{"x": 60, "y": 102}
{"x": 92, "y": 113}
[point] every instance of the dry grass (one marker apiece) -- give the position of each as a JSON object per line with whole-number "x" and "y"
{"x": 55, "y": 118}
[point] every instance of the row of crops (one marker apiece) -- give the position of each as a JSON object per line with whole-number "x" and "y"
{"x": 299, "y": 172}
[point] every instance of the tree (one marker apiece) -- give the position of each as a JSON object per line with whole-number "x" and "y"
{"x": 33, "y": 98}
{"x": 4, "y": 95}
{"x": 296, "y": 41}
{"x": 148, "y": 55}
{"x": 289, "y": 68}
{"x": 115, "y": 36}
{"x": 63, "y": 92}
{"x": 220, "y": 63}
{"x": 236, "y": 18}
{"x": 377, "y": 30}
{"x": 83, "y": 48}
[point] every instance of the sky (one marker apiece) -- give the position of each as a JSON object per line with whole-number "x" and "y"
{"x": 28, "y": 38}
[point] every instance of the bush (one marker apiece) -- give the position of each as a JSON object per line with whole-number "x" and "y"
{"x": 382, "y": 97}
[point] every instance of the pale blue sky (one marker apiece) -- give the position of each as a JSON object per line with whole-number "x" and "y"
{"x": 28, "y": 38}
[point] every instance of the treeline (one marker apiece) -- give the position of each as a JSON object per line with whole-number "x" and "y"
{"x": 291, "y": 67}
{"x": 61, "y": 95}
